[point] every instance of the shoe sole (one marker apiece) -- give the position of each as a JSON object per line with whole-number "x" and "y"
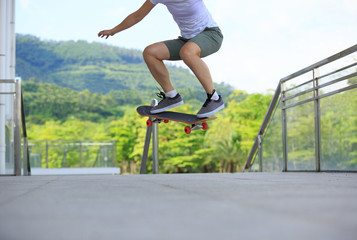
{"x": 166, "y": 108}
{"x": 203, "y": 115}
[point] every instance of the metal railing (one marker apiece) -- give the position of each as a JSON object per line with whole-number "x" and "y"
{"x": 309, "y": 86}
{"x": 47, "y": 154}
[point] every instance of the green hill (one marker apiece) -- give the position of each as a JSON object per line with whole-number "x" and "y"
{"x": 97, "y": 67}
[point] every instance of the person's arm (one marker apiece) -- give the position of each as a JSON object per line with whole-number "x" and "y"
{"x": 129, "y": 21}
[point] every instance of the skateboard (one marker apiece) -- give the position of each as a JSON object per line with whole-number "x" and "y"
{"x": 190, "y": 119}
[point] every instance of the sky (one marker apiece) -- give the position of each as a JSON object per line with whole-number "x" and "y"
{"x": 264, "y": 40}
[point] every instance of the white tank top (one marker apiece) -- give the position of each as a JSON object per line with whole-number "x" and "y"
{"x": 192, "y": 16}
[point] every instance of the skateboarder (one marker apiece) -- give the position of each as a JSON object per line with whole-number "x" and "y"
{"x": 200, "y": 37}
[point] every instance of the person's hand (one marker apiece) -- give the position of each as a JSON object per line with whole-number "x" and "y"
{"x": 105, "y": 33}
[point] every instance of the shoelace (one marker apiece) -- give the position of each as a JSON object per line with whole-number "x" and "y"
{"x": 208, "y": 100}
{"x": 160, "y": 94}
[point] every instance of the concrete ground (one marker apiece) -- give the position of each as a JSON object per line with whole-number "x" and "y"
{"x": 196, "y": 206}
{"x": 74, "y": 171}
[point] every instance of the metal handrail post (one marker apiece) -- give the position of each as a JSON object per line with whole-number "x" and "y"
{"x": 146, "y": 150}
{"x": 115, "y": 152}
{"x": 155, "y": 143}
{"x": 17, "y": 130}
{"x": 47, "y": 149}
{"x": 25, "y": 163}
{"x": 284, "y": 129}
{"x": 26, "y": 154}
{"x": 260, "y": 149}
{"x": 151, "y": 132}
{"x": 317, "y": 120}
{"x": 155, "y": 148}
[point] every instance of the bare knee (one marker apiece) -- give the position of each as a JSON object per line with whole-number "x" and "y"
{"x": 148, "y": 52}
{"x": 189, "y": 51}
{"x": 157, "y": 51}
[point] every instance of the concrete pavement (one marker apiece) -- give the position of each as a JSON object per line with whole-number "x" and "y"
{"x": 188, "y": 206}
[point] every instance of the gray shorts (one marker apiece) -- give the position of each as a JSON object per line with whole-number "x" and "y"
{"x": 210, "y": 41}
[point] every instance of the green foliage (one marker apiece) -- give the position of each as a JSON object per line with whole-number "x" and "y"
{"x": 45, "y": 102}
{"x": 339, "y": 131}
{"x": 222, "y": 148}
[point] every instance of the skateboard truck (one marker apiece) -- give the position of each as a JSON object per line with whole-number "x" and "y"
{"x": 188, "y": 129}
{"x": 149, "y": 122}
{"x": 203, "y": 126}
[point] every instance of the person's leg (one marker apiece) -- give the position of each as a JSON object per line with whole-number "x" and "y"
{"x": 191, "y": 55}
{"x": 204, "y": 44}
{"x": 154, "y": 56}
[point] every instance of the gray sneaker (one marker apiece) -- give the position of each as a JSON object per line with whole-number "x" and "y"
{"x": 167, "y": 103}
{"x": 210, "y": 107}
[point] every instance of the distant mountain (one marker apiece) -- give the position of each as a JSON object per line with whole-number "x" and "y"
{"x": 97, "y": 67}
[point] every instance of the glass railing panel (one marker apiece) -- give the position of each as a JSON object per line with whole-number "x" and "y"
{"x": 301, "y": 137}
{"x": 300, "y": 98}
{"x": 299, "y": 88}
{"x": 7, "y": 163}
{"x": 272, "y": 144}
{"x": 255, "y": 163}
{"x": 336, "y": 75}
{"x": 298, "y": 80}
{"x": 9, "y": 148}
{"x": 72, "y": 154}
{"x": 339, "y": 131}
{"x": 338, "y": 64}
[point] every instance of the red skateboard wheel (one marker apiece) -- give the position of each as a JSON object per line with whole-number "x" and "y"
{"x": 149, "y": 123}
{"x": 204, "y": 126}
{"x": 187, "y": 130}
{"x": 166, "y": 121}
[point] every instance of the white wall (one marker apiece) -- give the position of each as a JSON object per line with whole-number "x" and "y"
{"x": 7, "y": 69}
{"x": 2, "y": 76}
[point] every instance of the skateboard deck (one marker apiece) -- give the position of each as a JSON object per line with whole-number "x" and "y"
{"x": 193, "y": 120}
